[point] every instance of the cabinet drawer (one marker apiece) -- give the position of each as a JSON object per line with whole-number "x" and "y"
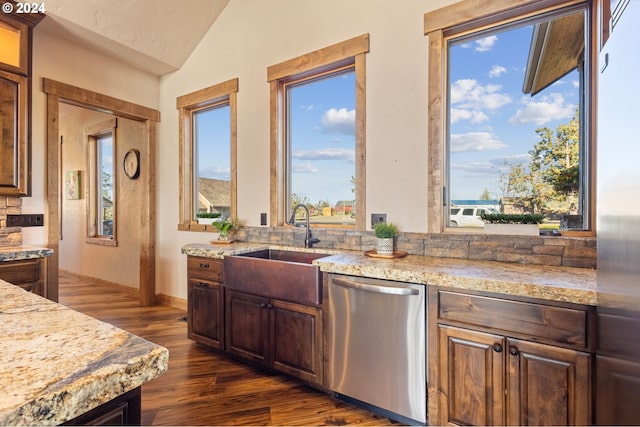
{"x": 18, "y": 272}
{"x": 206, "y": 268}
{"x": 563, "y": 325}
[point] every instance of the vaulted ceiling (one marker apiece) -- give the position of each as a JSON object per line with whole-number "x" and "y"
{"x": 154, "y": 35}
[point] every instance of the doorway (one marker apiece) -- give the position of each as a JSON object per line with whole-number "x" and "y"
{"x": 138, "y": 254}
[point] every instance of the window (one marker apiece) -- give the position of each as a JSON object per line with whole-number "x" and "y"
{"x": 318, "y": 138}
{"x": 102, "y": 189}
{"x": 207, "y": 153}
{"x": 514, "y": 125}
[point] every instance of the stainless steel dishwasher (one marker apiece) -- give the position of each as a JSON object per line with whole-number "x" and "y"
{"x": 377, "y": 344}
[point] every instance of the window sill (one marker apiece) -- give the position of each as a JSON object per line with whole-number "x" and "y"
{"x": 103, "y": 241}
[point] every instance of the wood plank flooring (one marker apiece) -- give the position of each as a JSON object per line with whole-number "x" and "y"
{"x": 202, "y": 387}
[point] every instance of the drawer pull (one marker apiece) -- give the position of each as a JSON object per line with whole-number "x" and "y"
{"x": 202, "y": 285}
{"x": 514, "y": 351}
{"x": 497, "y": 348}
{"x": 203, "y": 265}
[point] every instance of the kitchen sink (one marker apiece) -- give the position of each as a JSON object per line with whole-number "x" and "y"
{"x": 282, "y": 274}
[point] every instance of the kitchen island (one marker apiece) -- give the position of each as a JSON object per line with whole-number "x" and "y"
{"x": 57, "y": 364}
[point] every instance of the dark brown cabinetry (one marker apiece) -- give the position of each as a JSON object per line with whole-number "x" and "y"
{"x": 124, "y": 410}
{"x": 15, "y": 97}
{"x": 28, "y": 274}
{"x": 278, "y": 334}
{"x": 205, "y": 301}
{"x": 507, "y": 362}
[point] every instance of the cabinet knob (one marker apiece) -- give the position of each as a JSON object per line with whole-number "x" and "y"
{"x": 269, "y": 306}
{"x": 203, "y": 265}
{"x": 202, "y": 285}
{"x": 514, "y": 351}
{"x": 497, "y": 348}
{"x": 263, "y": 305}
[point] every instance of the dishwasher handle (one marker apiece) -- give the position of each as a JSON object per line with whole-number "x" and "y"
{"x": 379, "y": 289}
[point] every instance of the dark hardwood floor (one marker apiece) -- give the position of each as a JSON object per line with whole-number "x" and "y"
{"x": 202, "y": 387}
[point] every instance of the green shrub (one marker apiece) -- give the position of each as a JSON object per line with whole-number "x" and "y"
{"x": 208, "y": 215}
{"x": 500, "y": 218}
{"x": 384, "y": 230}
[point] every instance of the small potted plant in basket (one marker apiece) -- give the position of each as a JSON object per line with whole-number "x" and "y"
{"x": 386, "y": 233}
{"x": 515, "y": 224}
{"x": 227, "y": 228}
{"x": 207, "y": 217}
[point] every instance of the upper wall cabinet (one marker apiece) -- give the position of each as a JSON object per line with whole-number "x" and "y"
{"x": 15, "y": 96}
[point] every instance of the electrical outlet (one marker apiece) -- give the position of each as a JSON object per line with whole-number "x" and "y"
{"x": 378, "y": 217}
{"x": 25, "y": 220}
{"x": 263, "y": 218}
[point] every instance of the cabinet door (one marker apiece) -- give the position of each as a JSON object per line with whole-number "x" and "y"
{"x": 14, "y": 155}
{"x": 547, "y": 385}
{"x": 247, "y": 326}
{"x": 205, "y": 309}
{"x": 296, "y": 344}
{"x": 471, "y": 366}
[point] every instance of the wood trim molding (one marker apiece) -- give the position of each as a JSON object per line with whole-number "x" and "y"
{"x": 463, "y": 12}
{"x": 225, "y": 92}
{"x": 60, "y": 92}
{"x": 319, "y": 58}
{"x": 350, "y": 53}
{"x": 207, "y": 95}
{"x": 107, "y": 104}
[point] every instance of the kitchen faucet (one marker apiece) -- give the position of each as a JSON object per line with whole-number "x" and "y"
{"x": 309, "y": 240}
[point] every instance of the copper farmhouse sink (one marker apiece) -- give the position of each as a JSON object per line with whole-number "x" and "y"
{"x": 281, "y": 274}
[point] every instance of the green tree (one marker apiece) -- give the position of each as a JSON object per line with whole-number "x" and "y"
{"x": 485, "y": 194}
{"x": 549, "y": 182}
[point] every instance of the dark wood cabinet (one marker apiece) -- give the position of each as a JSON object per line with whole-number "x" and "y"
{"x": 277, "y": 334}
{"x": 124, "y": 410}
{"x": 29, "y": 274}
{"x": 15, "y": 100}
{"x": 205, "y": 301}
{"x": 507, "y": 362}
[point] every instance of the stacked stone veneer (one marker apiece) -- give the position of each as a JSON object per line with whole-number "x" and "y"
{"x": 9, "y": 236}
{"x": 543, "y": 250}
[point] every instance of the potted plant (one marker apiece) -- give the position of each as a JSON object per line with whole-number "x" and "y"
{"x": 385, "y": 234}
{"x": 518, "y": 224}
{"x": 207, "y": 217}
{"x": 227, "y": 228}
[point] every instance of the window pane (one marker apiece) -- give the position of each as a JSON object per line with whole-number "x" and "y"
{"x": 105, "y": 184}
{"x": 321, "y": 147}
{"x": 212, "y": 163}
{"x": 516, "y": 119}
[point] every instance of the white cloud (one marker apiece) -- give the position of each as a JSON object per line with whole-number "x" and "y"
{"x": 575, "y": 83}
{"x": 475, "y": 141}
{"x": 548, "y": 108}
{"x": 326, "y": 154}
{"x": 475, "y": 168}
{"x": 486, "y": 43}
{"x": 497, "y": 71}
{"x": 475, "y": 116}
{"x": 216, "y": 172}
{"x": 339, "y": 121}
{"x": 470, "y": 94}
{"x": 306, "y": 108}
{"x": 304, "y": 168}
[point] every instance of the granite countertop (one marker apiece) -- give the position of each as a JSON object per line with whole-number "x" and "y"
{"x": 16, "y": 253}
{"x": 57, "y": 363}
{"x": 568, "y": 284}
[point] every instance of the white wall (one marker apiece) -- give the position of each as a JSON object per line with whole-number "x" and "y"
{"x": 251, "y": 35}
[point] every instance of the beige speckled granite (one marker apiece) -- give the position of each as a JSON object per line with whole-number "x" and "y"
{"x": 56, "y": 363}
{"x": 209, "y": 250}
{"x": 569, "y": 284}
{"x": 23, "y": 252}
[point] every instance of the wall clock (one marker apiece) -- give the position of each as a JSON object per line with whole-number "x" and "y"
{"x": 131, "y": 163}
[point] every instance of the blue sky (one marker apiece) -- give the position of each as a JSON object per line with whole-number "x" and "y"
{"x": 491, "y": 119}
{"x": 322, "y": 137}
{"x": 214, "y": 136}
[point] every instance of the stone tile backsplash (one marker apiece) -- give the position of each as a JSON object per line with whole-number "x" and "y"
{"x": 11, "y": 236}
{"x": 543, "y": 250}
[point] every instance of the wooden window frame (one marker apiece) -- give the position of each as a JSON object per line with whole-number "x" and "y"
{"x": 349, "y": 53}
{"x": 468, "y": 16}
{"x": 93, "y": 133}
{"x": 187, "y": 105}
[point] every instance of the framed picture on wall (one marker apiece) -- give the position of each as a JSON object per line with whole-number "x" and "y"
{"x": 72, "y": 185}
